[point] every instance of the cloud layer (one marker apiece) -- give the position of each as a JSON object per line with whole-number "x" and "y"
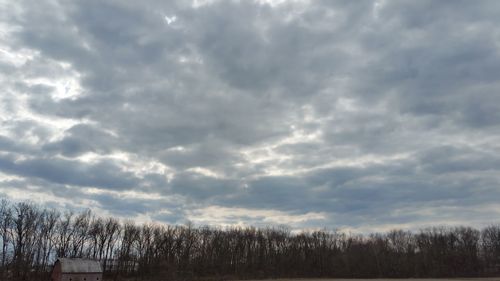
{"x": 361, "y": 115}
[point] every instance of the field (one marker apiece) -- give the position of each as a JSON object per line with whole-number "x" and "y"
{"x": 388, "y": 279}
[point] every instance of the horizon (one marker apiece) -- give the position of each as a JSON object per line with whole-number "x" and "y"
{"x": 11, "y": 206}
{"x": 357, "y": 115}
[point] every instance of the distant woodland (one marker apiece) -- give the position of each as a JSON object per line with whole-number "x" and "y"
{"x": 32, "y": 237}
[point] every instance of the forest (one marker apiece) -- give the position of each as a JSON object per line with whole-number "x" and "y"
{"x": 32, "y": 237}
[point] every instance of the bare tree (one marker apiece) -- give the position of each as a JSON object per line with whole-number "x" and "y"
{"x": 80, "y": 229}
{"x": 490, "y": 249}
{"x": 25, "y": 224}
{"x": 48, "y": 235}
{"x": 95, "y": 234}
{"x": 111, "y": 233}
{"x": 5, "y": 233}
{"x": 32, "y": 237}
{"x": 65, "y": 233}
{"x": 126, "y": 255}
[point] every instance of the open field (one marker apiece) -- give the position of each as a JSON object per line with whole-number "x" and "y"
{"x": 388, "y": 279}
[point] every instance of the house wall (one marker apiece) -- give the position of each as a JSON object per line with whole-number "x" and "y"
{"x": 80, "y": 277}
{"x": 56, "y": 272}
{"x": 75, "y": 271}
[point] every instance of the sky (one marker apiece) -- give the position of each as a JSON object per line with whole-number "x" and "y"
{"x": 354, "y": 115}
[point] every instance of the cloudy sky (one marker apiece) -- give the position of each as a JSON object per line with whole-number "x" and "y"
{"x": 359, "y": 115}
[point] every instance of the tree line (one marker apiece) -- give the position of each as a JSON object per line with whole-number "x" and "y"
{"x": 31, "y": 238}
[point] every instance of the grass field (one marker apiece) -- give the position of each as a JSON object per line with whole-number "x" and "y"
{"x": 383, "y": 279}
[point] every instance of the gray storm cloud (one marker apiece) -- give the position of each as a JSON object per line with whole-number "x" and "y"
{"x": 345, "y": 114}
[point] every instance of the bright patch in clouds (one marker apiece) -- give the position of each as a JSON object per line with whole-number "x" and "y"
{"x": 247, "y": 217}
